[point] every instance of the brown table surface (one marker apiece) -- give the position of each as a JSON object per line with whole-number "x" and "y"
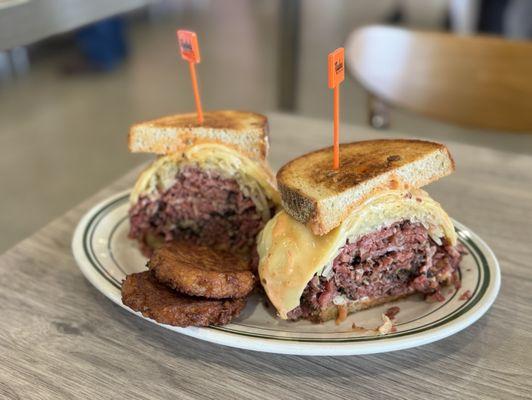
{"x": 61, "y": 338}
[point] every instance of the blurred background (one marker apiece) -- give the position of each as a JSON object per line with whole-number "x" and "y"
{"x": 75, "y": 74}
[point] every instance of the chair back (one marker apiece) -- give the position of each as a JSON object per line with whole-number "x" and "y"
{"x": 475, "y": 81}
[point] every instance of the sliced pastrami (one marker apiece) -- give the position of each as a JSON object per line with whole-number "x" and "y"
{"x": 397, "y": 260}
{"x": 201, "y": 206}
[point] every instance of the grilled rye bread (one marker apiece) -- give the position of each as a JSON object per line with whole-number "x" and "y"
{"x": 316, "y": 195}
{"x": 242, "y": 130}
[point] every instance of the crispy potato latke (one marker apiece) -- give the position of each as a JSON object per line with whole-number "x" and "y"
{"x": 142, "y": 292}
{"x": 202, "y": 271}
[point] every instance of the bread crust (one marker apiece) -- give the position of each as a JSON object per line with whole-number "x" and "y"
{"x": 321, "y": 198}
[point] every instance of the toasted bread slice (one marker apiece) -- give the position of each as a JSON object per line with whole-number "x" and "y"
{"x": 202, "y": 271}
{"x": 245, "y": 131}
{"x": 316, "y": 195}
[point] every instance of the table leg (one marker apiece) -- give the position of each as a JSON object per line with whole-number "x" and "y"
{"x": 288, "y": 53}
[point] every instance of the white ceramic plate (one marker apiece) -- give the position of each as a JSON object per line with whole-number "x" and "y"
{"x": 105, "y": 255}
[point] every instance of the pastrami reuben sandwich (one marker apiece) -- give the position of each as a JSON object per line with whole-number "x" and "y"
{"x": 210, "y": 185}
{"x": 359, "y": 237}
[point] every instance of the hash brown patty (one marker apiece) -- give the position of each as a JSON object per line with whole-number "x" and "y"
{"x": 199, "y": 270}
{"x": 142, "y": 292}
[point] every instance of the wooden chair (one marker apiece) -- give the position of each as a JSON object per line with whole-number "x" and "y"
{"x": 483, "y": 82}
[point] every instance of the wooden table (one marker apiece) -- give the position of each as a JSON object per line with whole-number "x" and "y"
{"x": 61, "y": 338}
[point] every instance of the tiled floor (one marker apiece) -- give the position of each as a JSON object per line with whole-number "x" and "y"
{"x": 62, "y": 138}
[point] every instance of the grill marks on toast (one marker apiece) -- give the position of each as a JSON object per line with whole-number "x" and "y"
{"x": 242, "y": 130}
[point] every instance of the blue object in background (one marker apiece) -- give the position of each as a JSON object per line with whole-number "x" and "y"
{"x": 103, "y": 43}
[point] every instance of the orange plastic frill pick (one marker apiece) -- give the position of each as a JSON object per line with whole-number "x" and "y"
{"x": 336, "y": 76}
{"x": 188, "y": 45}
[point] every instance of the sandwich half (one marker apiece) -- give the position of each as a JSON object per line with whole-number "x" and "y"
{"x": 215, "y": 191}
{"x": 381, "y": 237}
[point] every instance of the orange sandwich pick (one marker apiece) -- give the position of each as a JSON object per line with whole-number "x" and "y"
{"x": 336, "y": 76}
{"x": 188, "y": 45}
